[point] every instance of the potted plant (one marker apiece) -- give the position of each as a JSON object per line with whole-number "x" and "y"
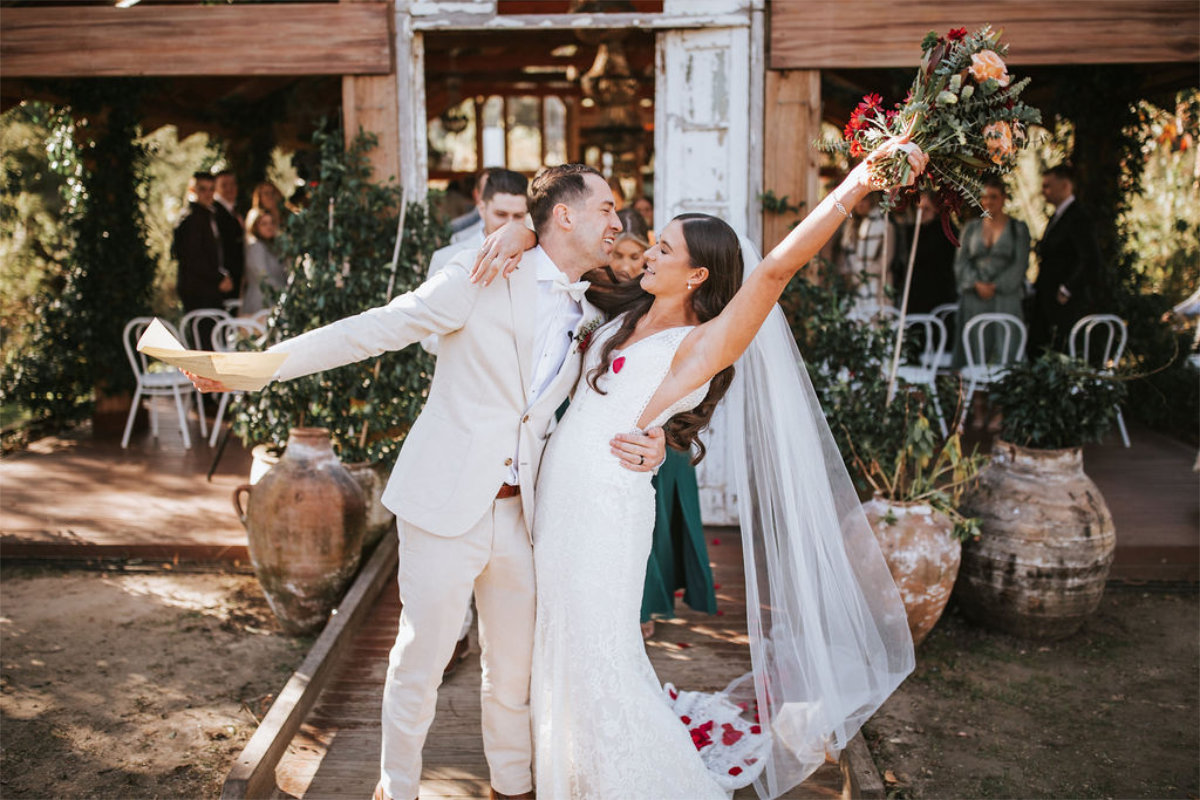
{"x": 341, "y": 245}
{"x": 916, "y": 518}
{"x": 913, "y": 480}
{"x": 1040, "y": 567}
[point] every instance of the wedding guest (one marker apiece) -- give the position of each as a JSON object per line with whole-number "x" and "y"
{"x": 265, "y": 275}
{"x": 933, "y": 267}
{"x": 231, "y": 227}
{"x": 202, "y": 280}
{"x": 866, "y": 254}
{"x": 1068, "y": 264}
{"x": 267, "y": 197}
{"x": 470, "y": 225}
{"x": 645, "y": 207}
{"x": 990, "y": 273}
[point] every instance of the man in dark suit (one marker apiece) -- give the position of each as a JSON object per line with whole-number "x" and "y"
{"x": 230, "y": 225}
{"x": 202, "y": 281}
{"x": 1069, "y": 265}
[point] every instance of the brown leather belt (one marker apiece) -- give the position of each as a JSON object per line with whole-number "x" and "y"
{"x": 508, "y": 490}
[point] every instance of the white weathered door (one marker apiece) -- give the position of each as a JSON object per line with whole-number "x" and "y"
{"x": 702, "y": 153}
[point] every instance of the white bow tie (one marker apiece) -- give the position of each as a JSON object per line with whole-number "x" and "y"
{"x": 575, "y": 290}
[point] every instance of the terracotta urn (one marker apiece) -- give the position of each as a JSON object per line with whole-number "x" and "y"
{"x": 305, "y": 520}
{"x": 372, "y": 480}
{"x": 923, "y": 557}
{"x": 1039, "y": 568}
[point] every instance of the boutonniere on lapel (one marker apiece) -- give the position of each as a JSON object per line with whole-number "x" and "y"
{"x": 583, "y": 336}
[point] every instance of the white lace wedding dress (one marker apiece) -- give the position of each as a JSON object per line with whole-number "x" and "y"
{"x": 603, "y": 727}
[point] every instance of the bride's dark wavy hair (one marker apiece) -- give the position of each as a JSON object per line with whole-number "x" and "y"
{"x": 711, "y": 243}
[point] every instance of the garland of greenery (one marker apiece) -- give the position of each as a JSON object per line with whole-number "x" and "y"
{"x": 341, "y": 247}
{"x": 74, "y": 346}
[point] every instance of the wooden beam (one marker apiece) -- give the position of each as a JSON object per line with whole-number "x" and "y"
{"x": 830, "y": 34}
{"x": 552, "y": 22}
{"x": 790, "y": 168}
{"x": 274, "y": 39}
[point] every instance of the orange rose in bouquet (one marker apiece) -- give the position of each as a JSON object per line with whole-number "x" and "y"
{"x": 999, "y": 138}
{"x": 986, "y": 64}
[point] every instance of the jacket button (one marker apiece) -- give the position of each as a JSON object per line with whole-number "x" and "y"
{"x": 508, "y": 462}
{"x": 526, "y": 419}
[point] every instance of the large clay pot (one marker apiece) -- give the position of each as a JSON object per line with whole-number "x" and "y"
{"x": 1040, "y": 566}
{"x": 372, "y": 481}
{"x": 923, "y": 557}
{"x": 305, "y": 520}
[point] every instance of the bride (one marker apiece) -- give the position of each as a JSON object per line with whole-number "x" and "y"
{"x": 828, "y": 635}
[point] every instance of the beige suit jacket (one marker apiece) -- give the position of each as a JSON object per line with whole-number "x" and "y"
{"x": 457, "y": 454}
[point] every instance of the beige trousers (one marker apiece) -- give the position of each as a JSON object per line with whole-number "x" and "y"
{"x": 494, "y": 559}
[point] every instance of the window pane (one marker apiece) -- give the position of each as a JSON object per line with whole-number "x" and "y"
{"x": 493, "y": 132}
{"x": 524, "y": 134}
{"x": 452, "y": 139}
{"x": 555, "y": 128}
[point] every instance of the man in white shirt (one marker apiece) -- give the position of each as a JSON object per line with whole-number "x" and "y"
{"x": 501, "y": 201}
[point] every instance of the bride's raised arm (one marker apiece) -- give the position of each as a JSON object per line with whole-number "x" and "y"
{"x": 720, "y": 341}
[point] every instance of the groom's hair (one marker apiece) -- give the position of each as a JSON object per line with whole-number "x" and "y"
{"x": 554, "y": 185}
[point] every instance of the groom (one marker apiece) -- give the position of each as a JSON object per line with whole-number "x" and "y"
{"x": 463, "y": 485}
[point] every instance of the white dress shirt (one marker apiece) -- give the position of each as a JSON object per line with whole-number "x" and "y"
{"x": 558, "y": 315}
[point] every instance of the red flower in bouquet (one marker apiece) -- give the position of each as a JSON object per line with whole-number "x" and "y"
{"x": 957, "y": 34}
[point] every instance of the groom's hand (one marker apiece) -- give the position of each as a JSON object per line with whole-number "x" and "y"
{"x": 640, "y": 452}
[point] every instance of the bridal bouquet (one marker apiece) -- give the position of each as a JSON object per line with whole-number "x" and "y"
{"x": 964, "y": 110}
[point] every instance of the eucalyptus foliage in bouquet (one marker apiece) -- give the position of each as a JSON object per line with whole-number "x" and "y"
{"x": 964, "y": 110}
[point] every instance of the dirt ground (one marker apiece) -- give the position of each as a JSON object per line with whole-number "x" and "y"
{"x": 1112, "y": 712}
{"x": 132, "y": 685}
{"x": 147, "y": 685}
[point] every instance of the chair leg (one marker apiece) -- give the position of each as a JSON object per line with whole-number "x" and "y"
{"x": 1121, "y": 427}
{"x": 133, "y": 409}
{"x": 183, "y": 421}
{"x": 937, "y": 406}
{"x": 199, "y": 411}
{"x": 962, "y": 421}
{"x": 216, "y": 428}
{"x": 154, "y": 416}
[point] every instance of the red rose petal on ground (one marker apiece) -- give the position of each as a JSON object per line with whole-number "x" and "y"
{"x": 720, "y": 613}
{"x": 679, "y": 593}
{"x": 716, "y": 586}
{"x": 716, "y": 541}
{"x": 735, "y": 770}
{"x": 684, "y": 645}
{"x": 686, "y": 720}
{"x": 756, "y": 728}
{"x": 674, "y": 694}
{"x": 731, "y": 735}
{"x": 617, "y": 364}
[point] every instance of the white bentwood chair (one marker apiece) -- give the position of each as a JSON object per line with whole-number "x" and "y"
{"x": 925, "y": 371}
{"x": 948, "y": 314}
{"x": 169, "y": 382}
{"x": 1110, "y": 333}
{"x": 232, "y": 334}
{"x": 980, "y": 372}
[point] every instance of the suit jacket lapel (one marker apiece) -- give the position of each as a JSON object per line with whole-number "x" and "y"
{"x": 522, "y": 292}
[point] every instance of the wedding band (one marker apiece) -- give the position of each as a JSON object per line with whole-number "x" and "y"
{"x": 641, "y": 460}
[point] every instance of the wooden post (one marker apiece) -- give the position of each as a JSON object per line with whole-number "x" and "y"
{"x": 371, "y": 102}
{"x": 790, "y": 168}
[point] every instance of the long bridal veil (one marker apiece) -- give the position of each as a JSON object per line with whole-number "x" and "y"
{"x": 828, "y": 633}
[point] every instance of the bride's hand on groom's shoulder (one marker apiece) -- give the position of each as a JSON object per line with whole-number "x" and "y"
{"x": 640, "y": 452}
{"x": 501, "y": 252}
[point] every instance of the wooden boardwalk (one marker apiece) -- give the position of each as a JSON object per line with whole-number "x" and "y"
{"x": 336, "y": 752}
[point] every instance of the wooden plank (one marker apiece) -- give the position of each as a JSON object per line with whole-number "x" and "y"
{"x": 819, "y": 34}
{"x": 791, "y": 169}
{"x": 253, "y": 774}
{"x": 270, "y": 39}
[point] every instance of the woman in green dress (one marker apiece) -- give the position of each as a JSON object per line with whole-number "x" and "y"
{"x": 989, "y": 270}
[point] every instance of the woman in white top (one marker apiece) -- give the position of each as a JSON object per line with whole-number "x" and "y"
{"x": 265, "y": 275}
